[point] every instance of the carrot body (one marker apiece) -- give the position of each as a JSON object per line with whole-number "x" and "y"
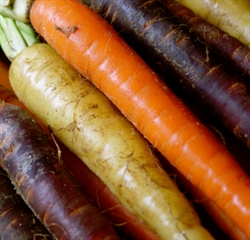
{"x": 231, "y": 48}
{"x": 187, "y": 66}
{"x": 96, "y": 190}
{"x": 17, "y": 221}
{"x": 218, "y": 215}
{"x": 110, "y": 205}
{"x": 198, "y": 197}
{"x": 4, "y": 78}
{"x": 84, "y": 119}
{"x": 231, "y": 16}
{"x": 89, "y": 44}
{"x": 43, "y": 182}
{"x": 8, "y": 96}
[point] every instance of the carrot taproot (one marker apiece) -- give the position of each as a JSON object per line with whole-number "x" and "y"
{"x": 87, "y": 122}
{"x": 217, "y": 214}
{"x": 219, "y": 41}
{"x": 43, "y": 182}
{"x": 231, "y": 16}
{"x": 239, "y": 151}
{"x": 93, "y": 47}
{"x": 94, "y": 188}
{"x": 100, "y": 194}
{"x": 17, "y": 221}
{"x": 183, "y": 61}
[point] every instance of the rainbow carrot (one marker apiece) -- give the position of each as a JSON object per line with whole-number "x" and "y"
{"x": 92, "y": 46}
{"x": 84, "y": 119}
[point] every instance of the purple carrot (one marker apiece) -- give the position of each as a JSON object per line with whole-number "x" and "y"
{"x": 219, "y": 41}
{"x": 186, "y": 65}
{"x": 17, "y": 221}
{"x": 44, "y": 183}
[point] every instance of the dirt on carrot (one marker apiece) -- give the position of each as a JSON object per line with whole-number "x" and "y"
{"x": 232, "y": 16}
{"x": 84, "y": 119}
{"x": 219, "y": 41}
{"x": 17, "y": 221}
{"x": 185, "y": 64}
{"x": 98, "y": 52}
{"x": 126, "y": 223}
{"x": 44, "y": 183}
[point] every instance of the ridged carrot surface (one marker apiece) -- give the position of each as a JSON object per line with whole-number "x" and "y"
{"x": 89, "y": 44}
{"x": 84, "y": 119}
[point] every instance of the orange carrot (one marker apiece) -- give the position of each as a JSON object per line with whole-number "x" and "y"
{"x": 4, "y": 79}
{"x": 92, "y": 46}
{"x": 197, "y": 196}
{"x": 218, "y": 215}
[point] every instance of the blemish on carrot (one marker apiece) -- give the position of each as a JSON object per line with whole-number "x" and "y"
{"x": 67, "y": 31}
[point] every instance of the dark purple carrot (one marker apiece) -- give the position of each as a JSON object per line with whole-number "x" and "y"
{"x": 44, "y": 183}
{"x": 219, "y": 41}
{"x": 17, "y": 221}
{"x": 184, "y": 62}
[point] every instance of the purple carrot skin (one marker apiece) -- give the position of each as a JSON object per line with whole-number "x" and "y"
{"x": 186, "y": 65}
{"x": 44, "y": 183}
{"x": 17, "y": 221}
{"x": 219, "y": 41}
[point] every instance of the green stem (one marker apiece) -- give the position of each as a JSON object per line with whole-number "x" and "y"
{"x": 17, "y": 9}
{"x": 27, "y": 32}
{"x": 15, "y": 36}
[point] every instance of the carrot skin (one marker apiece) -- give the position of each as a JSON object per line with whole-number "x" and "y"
{"x": 17, "y": 221}
{"x": 219, "y": 41}
{"x": 231, "y": 16}
{"x": 117, "y": 153}
{"x": 101, "y": 195}
{"x": 198, "y": 198}
{"x": 8, "y": 96}
{"x": 95, "y": 189}
{"x": 99, "y": 54}
{"x": 240, "y": 153}
{"x": 43, "y": 182}
{"x": 4, "y": 80}
{"x": 183, "y": 62}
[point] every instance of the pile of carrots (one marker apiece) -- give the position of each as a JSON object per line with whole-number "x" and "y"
{"x": 210, "y": 163}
